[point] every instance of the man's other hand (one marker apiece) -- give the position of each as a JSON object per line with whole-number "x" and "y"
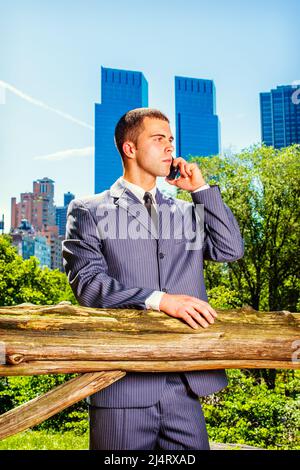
{"x": 190, "y": 309}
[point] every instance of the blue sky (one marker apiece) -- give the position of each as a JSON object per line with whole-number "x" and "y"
{"x": 51, "y": 54}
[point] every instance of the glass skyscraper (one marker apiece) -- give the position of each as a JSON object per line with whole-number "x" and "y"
{"x": 68, "y": 197}
{"x": 280, "y": 116}
{"x": 197, "y": 125}
{"x": 61, "y": 213}
{"x": 121, "y": 90}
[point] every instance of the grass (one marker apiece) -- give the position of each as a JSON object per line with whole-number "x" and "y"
{"x": 43, "y": 440}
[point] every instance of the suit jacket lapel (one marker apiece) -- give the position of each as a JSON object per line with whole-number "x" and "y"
{"x": 126, "y": 200}
{"x": 171, "y": 217}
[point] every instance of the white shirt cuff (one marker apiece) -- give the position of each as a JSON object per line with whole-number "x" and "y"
{"x": 152, "y": 302}
{"x": 205, "y": 186}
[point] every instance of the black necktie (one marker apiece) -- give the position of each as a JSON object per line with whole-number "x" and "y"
{"x": 149, "y": 206}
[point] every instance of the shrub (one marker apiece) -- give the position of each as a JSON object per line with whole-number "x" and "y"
{"x": 246, "y": 412}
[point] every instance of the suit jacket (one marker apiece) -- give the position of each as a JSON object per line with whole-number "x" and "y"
{"x": 108, "y": 269}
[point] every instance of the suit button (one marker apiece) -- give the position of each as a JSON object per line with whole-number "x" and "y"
{"x": 164, "y": 290}
{"x": 161, "y": 255}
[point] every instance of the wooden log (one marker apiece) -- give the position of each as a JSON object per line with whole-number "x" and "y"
{"x": 67, "y": 333}
{"x": 37, "y": 410}
{"x": 244, "y": 314}
{"x": 211, "y": 344}
{"x": 66, "y": 367}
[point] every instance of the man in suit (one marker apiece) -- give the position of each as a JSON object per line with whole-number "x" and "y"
{"x": 157, "y": 264}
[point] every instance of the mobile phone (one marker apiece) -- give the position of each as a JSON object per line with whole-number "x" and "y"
{"x": 174, "y": 171}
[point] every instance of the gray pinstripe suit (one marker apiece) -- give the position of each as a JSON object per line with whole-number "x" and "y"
{"x": 120, "y": 272}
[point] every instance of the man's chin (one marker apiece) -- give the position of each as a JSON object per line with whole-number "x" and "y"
{"x": 161, "y": 173}
{"x": 164, "y": 173}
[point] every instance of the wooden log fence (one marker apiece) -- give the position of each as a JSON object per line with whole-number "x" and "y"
{"x": 104, "y": 344}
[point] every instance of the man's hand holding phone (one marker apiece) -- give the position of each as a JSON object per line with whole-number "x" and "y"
{"x": 190, "y": 309}
{"x": 190, "y": 177}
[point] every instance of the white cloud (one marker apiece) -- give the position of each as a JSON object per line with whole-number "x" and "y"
{"x": 67, "y": 154}
{"x": 30, "y": 99}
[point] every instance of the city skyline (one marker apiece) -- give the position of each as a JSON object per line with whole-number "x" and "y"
{"x": 47, "y": 111}
{"x": 38, "y": 226}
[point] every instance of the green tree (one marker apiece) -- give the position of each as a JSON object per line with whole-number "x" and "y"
{"x": 25, "y": 281}
{"x": 248, "y": 412}
{"x": 262, "y": 187}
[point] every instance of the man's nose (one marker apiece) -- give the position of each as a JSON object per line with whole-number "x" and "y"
{"x": 170, "y": 147}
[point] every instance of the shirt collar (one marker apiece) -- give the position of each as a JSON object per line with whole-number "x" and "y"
{"x": 138, "y": 191}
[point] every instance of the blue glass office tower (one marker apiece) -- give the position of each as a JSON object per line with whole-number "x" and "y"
{"x": 197, "y": 125}
{"x": 121, "y": 90}
{"x": 280, "y": 116}
{"x": 68, "y": 197}
{"x": 61, "y": 213}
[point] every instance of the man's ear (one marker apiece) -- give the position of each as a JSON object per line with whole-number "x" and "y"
{"x": 129, "y": 149}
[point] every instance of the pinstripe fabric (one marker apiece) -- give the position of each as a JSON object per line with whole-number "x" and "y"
{"x": 175, "y": 422}
{"x": 122, "y": 272}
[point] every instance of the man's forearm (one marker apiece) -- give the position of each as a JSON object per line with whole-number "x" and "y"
{"x": 223, "y": 238}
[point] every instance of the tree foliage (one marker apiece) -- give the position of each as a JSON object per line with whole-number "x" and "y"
{"x": 247, "y": 412}
{"x": 25, "y": 281}
{"x": 261, "y": 185}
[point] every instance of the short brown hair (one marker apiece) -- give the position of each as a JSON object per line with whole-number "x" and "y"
{"x": 130, "y": 125}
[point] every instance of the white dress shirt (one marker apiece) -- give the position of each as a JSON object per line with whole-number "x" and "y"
{"x": 153, "y": 301}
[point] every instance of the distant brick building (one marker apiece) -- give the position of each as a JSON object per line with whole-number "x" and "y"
{"x": 36, "y": 207}
{"x": 54, "y": 241}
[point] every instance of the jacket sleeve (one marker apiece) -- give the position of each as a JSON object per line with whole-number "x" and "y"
{"x": 222, "y": 238}
{"x": 87, "y": 268}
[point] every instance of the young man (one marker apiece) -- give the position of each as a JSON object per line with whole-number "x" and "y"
{"x": 159, "y": 270}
